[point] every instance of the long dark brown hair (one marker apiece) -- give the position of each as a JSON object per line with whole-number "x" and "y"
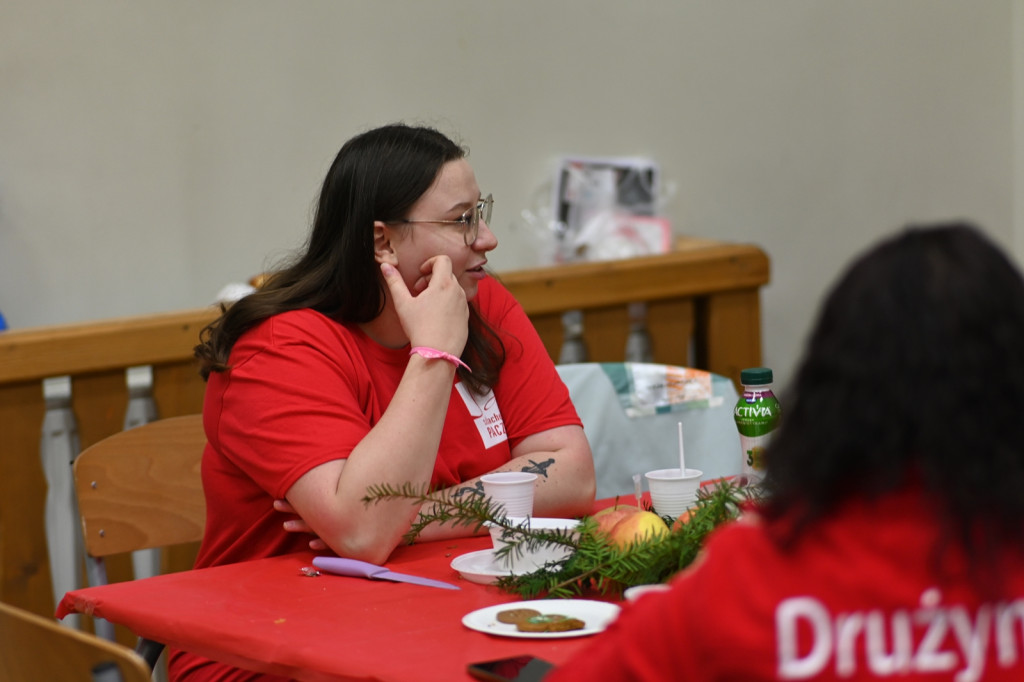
{"x": 377, "y": 175}
{"x": 913, "y": 375}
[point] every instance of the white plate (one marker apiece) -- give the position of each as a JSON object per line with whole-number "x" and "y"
{"x": 480, "y": 567}
{"x": 596, "y": 614}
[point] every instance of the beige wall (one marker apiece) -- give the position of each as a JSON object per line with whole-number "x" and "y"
{"x": 151, "y": 152}
{"x": 1018, "y": 127}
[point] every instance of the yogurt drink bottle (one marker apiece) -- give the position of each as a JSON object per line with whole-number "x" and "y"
{"x": 757, "y": 415}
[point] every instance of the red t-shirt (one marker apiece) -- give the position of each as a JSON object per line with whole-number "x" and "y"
{"x": 856, "y": 599}
{"x": 303, "y": 390}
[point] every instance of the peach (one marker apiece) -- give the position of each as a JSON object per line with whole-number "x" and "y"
{"x": 641, "y": 525}
{"x": 683, "y": 519}
{"x": 608, "y": 517}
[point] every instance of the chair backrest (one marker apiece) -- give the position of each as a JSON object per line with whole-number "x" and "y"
{"x": 631, "y": 414}
{"x": 142, "y": 488}
{"x": 35, "y": 648}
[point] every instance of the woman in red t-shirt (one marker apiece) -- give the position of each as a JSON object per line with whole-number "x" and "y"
{"x": 383, "y": 354}
{"x": 891, "y": 544}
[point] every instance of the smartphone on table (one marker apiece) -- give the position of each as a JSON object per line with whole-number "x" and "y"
{"x": 524, "y": 668}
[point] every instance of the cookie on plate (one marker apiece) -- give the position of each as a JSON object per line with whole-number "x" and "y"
{"x": 513, "y": 616}
{"x": 550, "y": 622}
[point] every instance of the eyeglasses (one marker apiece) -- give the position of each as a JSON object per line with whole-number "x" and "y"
{"x": 470, "y": 220}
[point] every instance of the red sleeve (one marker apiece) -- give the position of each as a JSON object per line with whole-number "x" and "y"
{"x": 292, "y": 400}
{"x": 642, "y": 644}
{"x": 531, "y": 394}
{"x": 681, "y": 634}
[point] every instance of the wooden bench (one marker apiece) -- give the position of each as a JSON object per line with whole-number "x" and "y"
{"x": 703, "y": 311}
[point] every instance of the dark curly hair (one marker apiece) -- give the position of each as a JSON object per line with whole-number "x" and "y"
{"x": 377, "y": 175}
{"x": 912, "y": 375}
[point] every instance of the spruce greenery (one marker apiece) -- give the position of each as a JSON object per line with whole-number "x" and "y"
{"x": 594, "y": 566}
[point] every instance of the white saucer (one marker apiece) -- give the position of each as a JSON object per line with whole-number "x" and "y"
{"x": 480, "y": 567}
{"x": 634, "y": 593}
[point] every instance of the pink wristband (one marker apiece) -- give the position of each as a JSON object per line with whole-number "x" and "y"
{"x": 435, "y": 354}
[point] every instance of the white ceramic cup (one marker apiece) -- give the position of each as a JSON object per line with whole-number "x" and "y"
{"x": 529, "y": 560}
{"x": 512, "y": 490}
{"x": 673, "y": 491}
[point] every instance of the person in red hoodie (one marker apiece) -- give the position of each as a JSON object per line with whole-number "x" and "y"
{"x": 890, "y": 542}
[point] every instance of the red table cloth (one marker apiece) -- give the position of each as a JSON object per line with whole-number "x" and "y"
{"x": 265, "y": 615}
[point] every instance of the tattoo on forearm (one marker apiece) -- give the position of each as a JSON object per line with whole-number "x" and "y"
{"x": 475, "y": 489}
{"x": 539, "y": 468}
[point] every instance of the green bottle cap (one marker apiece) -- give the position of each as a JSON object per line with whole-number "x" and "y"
{"x": 756, "y": 376}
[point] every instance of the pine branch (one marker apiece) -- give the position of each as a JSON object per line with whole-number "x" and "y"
{"x": 471, "y": 510}
{"x": 594, "y": 565}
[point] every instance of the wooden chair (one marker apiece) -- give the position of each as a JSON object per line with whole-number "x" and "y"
{"x": 140, "y": 489}
{"x": 35, "y": 648}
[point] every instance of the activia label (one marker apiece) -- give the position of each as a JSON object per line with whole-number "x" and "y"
{"x": 757, "y": 414}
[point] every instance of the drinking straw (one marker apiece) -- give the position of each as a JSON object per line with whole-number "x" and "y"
{"x": 637, "y": 489}
{"x": 682, "y": 458}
